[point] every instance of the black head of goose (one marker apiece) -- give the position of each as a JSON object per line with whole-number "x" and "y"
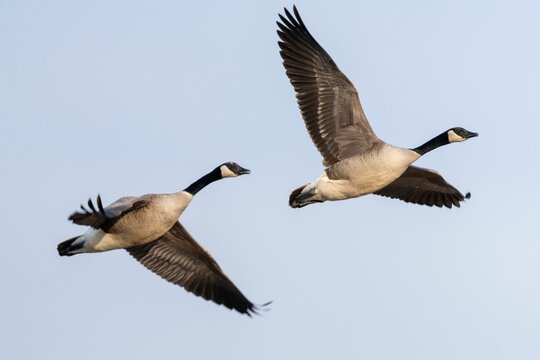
{"x": 356, "y": 161}
{"x": 148, "y": 228}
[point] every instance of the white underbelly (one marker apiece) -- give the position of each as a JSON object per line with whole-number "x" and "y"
{"x": 123, "y": 241}
{"x": 366, "y": 175}
{"x": 345, "y": 189}
{"x": 96, "y": 240}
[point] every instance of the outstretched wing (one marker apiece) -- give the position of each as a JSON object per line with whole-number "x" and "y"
{"x": 424, "y": 187}
{"x": 328, "y": 100}
{"x": 104, "y": 218}
{"x": 178, "y": 258}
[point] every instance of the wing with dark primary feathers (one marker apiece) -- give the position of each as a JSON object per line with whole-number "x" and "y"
{"x": 179, "y": 259}
{"x": 104, "y": 218}
{"x": 328, "y": 101}
{"x": 424, "y": 187}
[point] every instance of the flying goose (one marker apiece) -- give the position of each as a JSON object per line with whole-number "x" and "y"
{"x": 148, "y": 228}
{"x": 356, "y": 161}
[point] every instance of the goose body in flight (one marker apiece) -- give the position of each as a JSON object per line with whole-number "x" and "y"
{"x": 148, "y": 228}
{"x": 356, "y": 161}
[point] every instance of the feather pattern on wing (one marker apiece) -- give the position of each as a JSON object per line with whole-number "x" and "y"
{"x": 328, "y": 101}
{"x": 105, "y": 218}
{"x": 424, "y": 187}
{"x": 179, "y": 259}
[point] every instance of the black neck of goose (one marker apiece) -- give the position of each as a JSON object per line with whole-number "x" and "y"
{"x": 432, "y": 144}
{"x": 198, "y": 185}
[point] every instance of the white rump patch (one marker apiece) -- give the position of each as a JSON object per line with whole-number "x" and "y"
{"x": 89, "y": 240}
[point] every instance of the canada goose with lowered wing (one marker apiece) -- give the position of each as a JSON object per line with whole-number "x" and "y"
{"x": 356, "y": 161}
{"x": 148, "y": 228}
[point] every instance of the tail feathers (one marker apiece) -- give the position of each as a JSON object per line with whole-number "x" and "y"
{"x": 299, "y": 199}
{"x": 294, "y": 194}
{"x": 67, "y": 248}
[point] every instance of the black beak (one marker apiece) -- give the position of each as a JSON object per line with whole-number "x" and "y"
{"x": 243, "y": 171}
{"x": 470, "y": 134}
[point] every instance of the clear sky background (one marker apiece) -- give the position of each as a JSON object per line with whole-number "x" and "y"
{"x": 131, "y": 97}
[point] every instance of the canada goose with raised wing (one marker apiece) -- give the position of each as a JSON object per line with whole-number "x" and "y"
{"x": 356, "y": 161}
{"x": 148, "y": 228}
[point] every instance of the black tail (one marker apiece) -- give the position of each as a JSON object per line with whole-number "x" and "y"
{"x": 294, "y": 194}
{"x": 64, "y": 248}
{"x": 300, "y": 199}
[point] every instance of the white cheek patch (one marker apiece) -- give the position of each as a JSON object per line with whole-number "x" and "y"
{"x": 453, "y": 137}
{"x": 226, "y": 172}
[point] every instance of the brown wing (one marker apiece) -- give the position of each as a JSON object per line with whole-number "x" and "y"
{"x": 178, "y": 258}
{"x": 424, "y": 187}
{"x": 328, "y": 101}
{"x": 104, "y": 218}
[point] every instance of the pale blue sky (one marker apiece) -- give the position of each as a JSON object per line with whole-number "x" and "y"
{"x": 125, "y": 98}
